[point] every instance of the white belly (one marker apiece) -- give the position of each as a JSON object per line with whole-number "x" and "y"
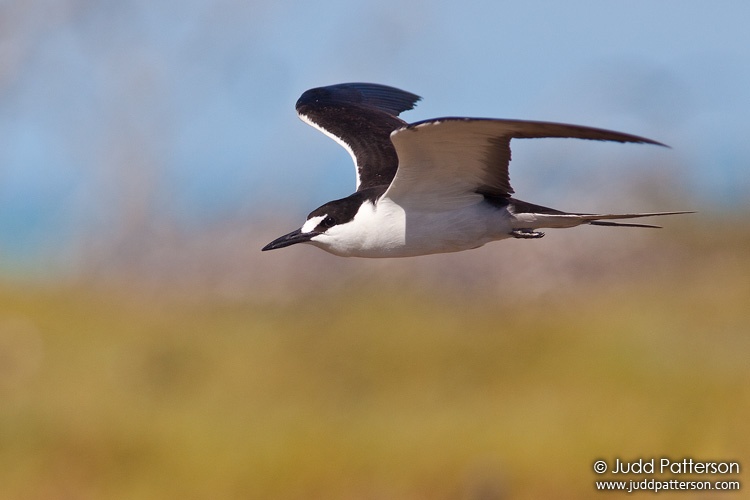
{"x": 387, "y": 230}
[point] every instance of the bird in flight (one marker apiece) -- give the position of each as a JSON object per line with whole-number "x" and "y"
{"x": 433, "y": 186}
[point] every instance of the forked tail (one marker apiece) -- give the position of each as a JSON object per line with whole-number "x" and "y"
{"x": 528, "y": 217}
{"x": 603, "y": 219}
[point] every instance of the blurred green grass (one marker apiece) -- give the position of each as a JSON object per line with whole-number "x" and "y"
{"x": 370, "y": 393}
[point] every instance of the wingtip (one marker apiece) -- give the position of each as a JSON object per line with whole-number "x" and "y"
{"x": 389, "y": 99}
{"x": 656, "y": 143}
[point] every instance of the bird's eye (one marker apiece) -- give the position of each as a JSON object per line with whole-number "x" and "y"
{"x": 328, "y": 222}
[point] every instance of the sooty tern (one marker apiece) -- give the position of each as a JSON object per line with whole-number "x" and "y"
{"x": 434, "y": 186}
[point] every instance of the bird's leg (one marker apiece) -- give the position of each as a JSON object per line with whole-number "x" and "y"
{"x": 526, "y": 234}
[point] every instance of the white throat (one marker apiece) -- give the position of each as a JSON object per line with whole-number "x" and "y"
{"x": 385, "y": 230}
{"x": 375, "y": 231}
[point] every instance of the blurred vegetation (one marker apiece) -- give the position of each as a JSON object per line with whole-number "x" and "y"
{"x": 370, "y": 390}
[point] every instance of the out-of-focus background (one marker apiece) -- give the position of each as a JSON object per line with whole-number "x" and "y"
{"x": 149, "y": 350}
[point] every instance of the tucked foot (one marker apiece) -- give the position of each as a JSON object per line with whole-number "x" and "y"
{"x": 526, "y": 234}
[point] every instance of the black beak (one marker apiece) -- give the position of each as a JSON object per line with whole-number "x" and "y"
{"x": 296, "y": 236}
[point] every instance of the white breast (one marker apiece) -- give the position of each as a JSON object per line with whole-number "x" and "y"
{"x": 389, "y": 230}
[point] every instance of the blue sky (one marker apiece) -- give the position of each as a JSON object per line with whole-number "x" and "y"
{"x": 184, "y": 111}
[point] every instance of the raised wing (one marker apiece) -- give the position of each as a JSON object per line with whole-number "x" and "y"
{"x": 450, "y": 162}
{"x": 360, "y": 117}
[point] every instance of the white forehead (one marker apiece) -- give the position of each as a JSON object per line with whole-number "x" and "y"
{"x": 312, "y": 223}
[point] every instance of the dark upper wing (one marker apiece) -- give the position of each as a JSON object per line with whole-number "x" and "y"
{"x": 360, "y": 117}
{"x": 452, "y": 161}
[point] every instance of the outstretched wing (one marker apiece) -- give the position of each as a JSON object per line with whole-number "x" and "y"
{"x": 450, "y": 162}
{"x": 360, "y": 117}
